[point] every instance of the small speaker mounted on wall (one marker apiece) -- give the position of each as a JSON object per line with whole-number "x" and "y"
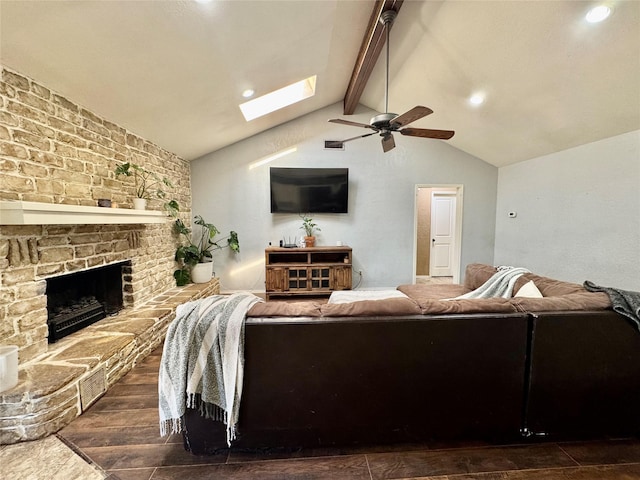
{"x": 333, "y": 145}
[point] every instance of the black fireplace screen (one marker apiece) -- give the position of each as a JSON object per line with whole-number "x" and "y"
{"x": 79, "y": 299}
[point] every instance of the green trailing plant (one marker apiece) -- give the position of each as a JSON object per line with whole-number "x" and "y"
{"x": 199, "y": 246}
{"x": 172, "y": 207}
{"x": 149, "y": 184}
{"x": 309, "y": 226}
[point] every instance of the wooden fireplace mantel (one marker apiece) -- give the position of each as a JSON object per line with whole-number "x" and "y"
{"x": 38, "y": 213}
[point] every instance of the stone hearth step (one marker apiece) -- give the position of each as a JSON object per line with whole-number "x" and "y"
{"x": 55, "y": 387}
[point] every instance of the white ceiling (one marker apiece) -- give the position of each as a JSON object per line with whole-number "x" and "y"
{"x": 173, "y": 71}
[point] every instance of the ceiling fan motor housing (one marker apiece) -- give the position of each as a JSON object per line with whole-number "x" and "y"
{"x": 383, "y": 120}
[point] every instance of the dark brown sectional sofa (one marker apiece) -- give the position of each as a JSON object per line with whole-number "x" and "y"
{"x": 422, "y": 368}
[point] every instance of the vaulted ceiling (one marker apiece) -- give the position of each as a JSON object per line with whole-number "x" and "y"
{"x": 174, "y": 71}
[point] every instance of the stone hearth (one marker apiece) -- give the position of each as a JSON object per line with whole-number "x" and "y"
{"x": 57, "y": 386}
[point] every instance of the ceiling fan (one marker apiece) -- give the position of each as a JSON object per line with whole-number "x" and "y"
{"x": 387, "y": 123}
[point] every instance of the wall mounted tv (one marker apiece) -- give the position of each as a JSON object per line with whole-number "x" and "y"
{"x": 309, "y": 190}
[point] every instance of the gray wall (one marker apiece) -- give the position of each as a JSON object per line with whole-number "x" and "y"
{"x": 578, "y": 213}
{"x": 380, "y": 223}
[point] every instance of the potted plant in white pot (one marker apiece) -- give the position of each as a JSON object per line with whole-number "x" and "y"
{"x": 309, "y": 227}
{"x": 147, "y": 184}
{"x": 195, "y": 256}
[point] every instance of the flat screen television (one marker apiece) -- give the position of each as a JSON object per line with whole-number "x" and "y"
{"x": 309, "y": 190}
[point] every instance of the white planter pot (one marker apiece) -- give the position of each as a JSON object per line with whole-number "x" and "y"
{"x": 140, "y": 203}
{"x": 202, "y": 272}
{"x": 8, "y": 367}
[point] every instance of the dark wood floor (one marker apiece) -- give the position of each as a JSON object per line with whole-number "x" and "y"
{"x": 120, "y": 434}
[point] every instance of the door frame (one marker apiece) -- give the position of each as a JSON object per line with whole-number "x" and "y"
{"x": 457, "y": 252}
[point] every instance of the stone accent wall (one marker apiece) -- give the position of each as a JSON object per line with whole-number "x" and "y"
{"x": 55, "y": 151}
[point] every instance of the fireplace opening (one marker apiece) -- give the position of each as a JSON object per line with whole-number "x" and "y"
{"x": 79, "y": 299}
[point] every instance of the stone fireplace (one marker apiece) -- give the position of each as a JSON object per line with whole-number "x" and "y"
{"x": 79, "y": 299}
{"x": 56, "y": 153}
{"x": 56, "y": 160}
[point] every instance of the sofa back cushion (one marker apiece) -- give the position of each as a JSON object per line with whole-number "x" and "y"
{"x": 476, "y": 274}
{"x": 563, "y": 303}
{"x": 549, "y": 287}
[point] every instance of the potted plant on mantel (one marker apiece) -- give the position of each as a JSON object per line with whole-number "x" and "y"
{"x": 195, "y": 257}
{"x": 309, "y": 227}
{"x": 147, "y": 184}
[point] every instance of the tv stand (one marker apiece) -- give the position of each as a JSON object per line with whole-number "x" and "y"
{"x": 312, "y": 271}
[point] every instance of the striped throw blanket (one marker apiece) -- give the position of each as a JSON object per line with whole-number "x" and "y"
{"x": 499, "y": 285}
{"x": 203, "y": 362}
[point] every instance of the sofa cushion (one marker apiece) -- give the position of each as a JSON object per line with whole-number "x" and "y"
{"x": 477, "y": 274}
{"x": 569, "y": 302}
{"x": 550, "y": 287}
{"x": 387, "y": 307}
{"x": 475, "y": 305}
{"x": 285, "y": 309}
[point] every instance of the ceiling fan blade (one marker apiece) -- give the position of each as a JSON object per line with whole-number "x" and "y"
{"x": 340, "y": 142}
{"x": 428, "y": 133}
{"x": 353, "y": 124}
{"x": 411, "y": 116}
{"x": 388, "y": 142}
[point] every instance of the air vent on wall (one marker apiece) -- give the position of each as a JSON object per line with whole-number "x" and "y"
{"x": 92, "y": 387}
{"x": 333, "y": 145}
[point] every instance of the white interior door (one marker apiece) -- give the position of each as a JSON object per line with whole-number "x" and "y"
{"x": 443, "y": 228}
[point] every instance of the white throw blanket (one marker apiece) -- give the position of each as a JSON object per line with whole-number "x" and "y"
{"x": 499, "y": 285}
{"x": 348, "y": 296}
{"x": 202, "y": 362}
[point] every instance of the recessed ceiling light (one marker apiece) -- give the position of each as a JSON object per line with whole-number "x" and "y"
{"x": 598, "y": 14}
{"x": 248, "y": 93}
{"x": 476, "y": 99}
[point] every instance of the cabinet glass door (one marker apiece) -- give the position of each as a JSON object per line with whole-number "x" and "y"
{"x": 298, "y": 279}
{"x": 320, "y": 278}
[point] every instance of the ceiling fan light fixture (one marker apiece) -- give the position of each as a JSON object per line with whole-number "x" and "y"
{"x": 598, "y": 14}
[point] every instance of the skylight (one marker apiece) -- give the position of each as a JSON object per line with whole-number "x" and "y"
{"x": 279, "y": 99}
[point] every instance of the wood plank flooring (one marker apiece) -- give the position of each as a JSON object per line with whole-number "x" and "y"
{"x": 120, "y": 434}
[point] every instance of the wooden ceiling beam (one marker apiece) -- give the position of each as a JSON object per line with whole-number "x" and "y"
{"x": 370, "y": 50}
